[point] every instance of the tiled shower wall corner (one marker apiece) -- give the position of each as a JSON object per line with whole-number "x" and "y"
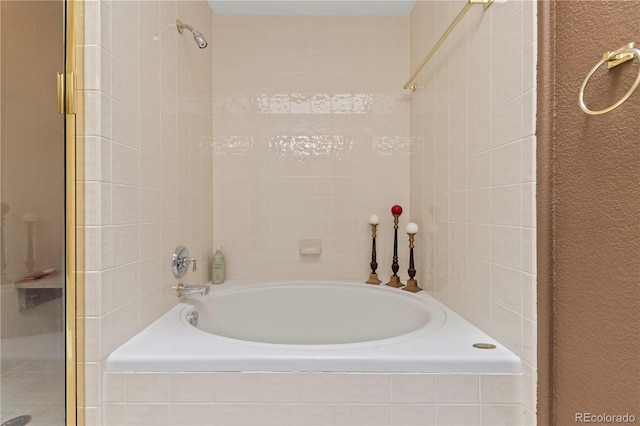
{"x": 311, "y": 134}
{"x": 473, "y": 169}
{"x": 148, "y": 167}
{"x": 157, "y": 399}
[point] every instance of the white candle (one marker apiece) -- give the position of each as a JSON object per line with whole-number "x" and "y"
{"x": 29, "y": 217}
{"x": 374, "y": 219}
{"x": 412, "y": 228}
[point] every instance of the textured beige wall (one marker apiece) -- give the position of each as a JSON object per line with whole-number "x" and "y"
{"x": 591, "y": 236}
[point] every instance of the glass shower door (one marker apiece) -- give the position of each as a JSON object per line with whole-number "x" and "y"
{"x": 32, "y": 193}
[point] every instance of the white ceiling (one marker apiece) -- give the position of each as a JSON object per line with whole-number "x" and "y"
{"x": 311, "y": 7}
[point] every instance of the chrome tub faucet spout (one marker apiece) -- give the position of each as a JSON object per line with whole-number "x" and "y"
{"x": 185, "y": 290}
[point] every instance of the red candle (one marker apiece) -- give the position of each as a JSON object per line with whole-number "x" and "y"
{"x": 396, "y": 210}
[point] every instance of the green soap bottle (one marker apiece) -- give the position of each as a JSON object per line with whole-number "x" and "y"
{"x": 217, "y": 267}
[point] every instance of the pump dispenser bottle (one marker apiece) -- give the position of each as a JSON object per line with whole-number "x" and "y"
{"x": 217, "y": 267}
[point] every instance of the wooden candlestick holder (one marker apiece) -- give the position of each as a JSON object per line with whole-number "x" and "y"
{"x": 412, "y": 285}
{"x": 394, "y": 280}
{"x": 373, "y": 277}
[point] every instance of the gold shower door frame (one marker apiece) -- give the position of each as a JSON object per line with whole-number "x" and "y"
{"x": 74, "y": 211}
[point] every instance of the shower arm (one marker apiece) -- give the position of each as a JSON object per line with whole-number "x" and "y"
{"x": 197, "y": 35}
{"x": 181, "y": 26}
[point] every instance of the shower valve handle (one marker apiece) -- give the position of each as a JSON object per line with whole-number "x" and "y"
{"x": 185, "y": 262}
{"x": 180, "y": 262}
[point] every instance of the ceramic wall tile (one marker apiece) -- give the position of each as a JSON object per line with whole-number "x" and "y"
{"x": 457, "y": 388}
{"x": 414, "y": 415}
{"x": 191, "y": 414}
{"x": 191, "y": 387}
{"x": 412, "y": 388}
{"x": 369, "y": 415}
{"x": 500, "y": 388}
{"x": 236, "y": 387}
{"x": 368, "y": 388}
{"x": 147, "y": 387}
{"x": 323, "y": 388}
{"x": 496, "y": 292}
{"x": 316, "y": 125}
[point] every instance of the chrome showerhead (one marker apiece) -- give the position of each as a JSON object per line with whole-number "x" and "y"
{"x": 197, "y": 35}
{"x": 199, "y": 38}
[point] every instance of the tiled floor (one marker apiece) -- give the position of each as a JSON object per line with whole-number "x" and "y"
{"x": 35, "y": 387}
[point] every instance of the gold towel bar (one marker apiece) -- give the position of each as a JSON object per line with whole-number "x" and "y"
{"x": 613, "y": 59}
{"x": 409, "y": 84}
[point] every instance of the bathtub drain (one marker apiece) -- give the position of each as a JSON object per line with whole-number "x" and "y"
{"x": 192, "y": 318}
{"x": 17, "y": 421}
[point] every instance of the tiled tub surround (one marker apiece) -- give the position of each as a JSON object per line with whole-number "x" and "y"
{"x": 473, "y": 177}
{"x": 148, "y": 167}
{"x": 310, "y": 134}
{"x": 300, "y": 398}
{"x": 290, "y": 62}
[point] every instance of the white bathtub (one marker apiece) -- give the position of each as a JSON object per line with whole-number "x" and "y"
{"x": 311, "y": 326}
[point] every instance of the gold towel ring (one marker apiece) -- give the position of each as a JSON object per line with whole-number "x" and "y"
{"x": 628, "y": 52}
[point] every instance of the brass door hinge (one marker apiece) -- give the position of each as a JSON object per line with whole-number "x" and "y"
{"x": 67, "y": 93}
